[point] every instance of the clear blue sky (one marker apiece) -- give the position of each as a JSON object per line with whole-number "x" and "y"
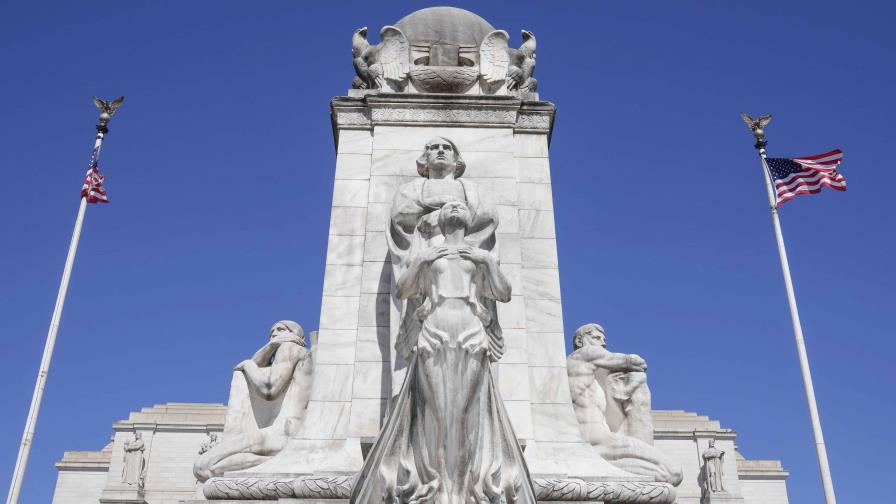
{"x": 220, "y": 168}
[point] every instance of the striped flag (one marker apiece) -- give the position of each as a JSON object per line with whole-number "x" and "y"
{"x": 806, "y": 175}
{"x": 93, "y": 188}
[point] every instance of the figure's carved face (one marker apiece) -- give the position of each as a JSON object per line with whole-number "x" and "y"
{"x": 454, "y": 215}
{"x": 440, "y": 158}
{"x": 440, "y": 155}
{"x": 280, "y": 329}
{"x": 590, "y": 334}
{"x": 289, "y": 330}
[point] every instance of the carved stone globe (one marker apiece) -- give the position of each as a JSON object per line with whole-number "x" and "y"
{"x": 444, "y": 48}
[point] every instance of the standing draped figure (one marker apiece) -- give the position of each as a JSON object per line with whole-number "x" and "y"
{"x": 448, "y": 439}
{"x": 134, "y": 468}
{"x": 413, "y": 226}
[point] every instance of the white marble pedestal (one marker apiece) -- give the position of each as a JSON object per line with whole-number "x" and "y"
{"x": 722, "y": 498}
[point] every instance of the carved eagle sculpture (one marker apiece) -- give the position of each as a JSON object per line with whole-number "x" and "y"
{"x": 108, "y": 106}
{"x": 500, "y": 65}
{"x": 381, "y": 66}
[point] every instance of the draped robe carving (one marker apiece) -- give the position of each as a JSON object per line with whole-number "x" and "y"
{"x": 413, "y": 226}
{"x": 448, "y": 439}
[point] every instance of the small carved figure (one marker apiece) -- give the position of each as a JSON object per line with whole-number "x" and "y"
{"x": 712, "y": 468}
{"x": 383, "y": 66}
{"x": 503, "y": 67}
{"x": 209, "y": 443}
{"x": 268, "y": 398}
{"x": 134, "y": 469}
{"x": 448, "y": 438}
{"x": 612, "y": 403}
{"x": 522, "y": 65}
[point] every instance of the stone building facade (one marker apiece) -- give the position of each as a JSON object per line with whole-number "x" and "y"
{"x": 178, "y": 431}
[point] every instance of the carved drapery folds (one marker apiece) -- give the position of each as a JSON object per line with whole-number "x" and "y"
{"x": 448, "y": 437}
{"x": 133, "y": 471}
{"x": 712, "y": 469}
{"x": 399, "y": 65}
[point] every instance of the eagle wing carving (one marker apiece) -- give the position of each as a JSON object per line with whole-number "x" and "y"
{"x": 393, "y": 54}
{"x": 493, "y": 57}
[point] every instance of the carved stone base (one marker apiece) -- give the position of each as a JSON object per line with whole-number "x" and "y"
{"x": 333, "y": 489}
{"x": 576, "y": 502}
{"x": 722, "y": 498}
{"x": 303, "y": 487}
{"x": 271, "y": 501}
{"x": 611, "y": 492}
{"x": 122, "y": 496}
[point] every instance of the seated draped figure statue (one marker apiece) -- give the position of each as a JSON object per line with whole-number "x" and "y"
{"x": 448, "y": 440}
{"x": 612, "y": 404}
{"x": 268, "y": 397}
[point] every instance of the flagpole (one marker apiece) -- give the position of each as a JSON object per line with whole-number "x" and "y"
{"x": 822, "y": 453}
{"x": 18, "y": 474}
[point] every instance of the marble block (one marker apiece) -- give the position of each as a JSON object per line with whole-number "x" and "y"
{"x": 353, "y": 166}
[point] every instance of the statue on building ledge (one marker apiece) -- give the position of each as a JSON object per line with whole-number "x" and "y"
{"x": 134, "y": 470}
{"x": 712, "y": 469}
{"x": 612, "y": 403}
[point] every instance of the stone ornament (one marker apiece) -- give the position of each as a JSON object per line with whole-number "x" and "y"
{"x": 628, "y": 492}
{"x": 339, "y": 487}
{"x": 712, "y": 469}
{"x": 383, "y": 66}
{"x": 209, "y": 443}
{"x": 248, "y": 488}
{"x": 443, "y": 115}
{"x": 505, "y": 69}
{"x": 268, "y": 398}
{"x": 612, "y": 404}
{"x": 494, "y": 61}
{"x": 134, "y": 470}
{"x": 455, "y": 62}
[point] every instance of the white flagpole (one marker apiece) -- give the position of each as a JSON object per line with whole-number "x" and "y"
{"x": 18, "y": 474}
{"x": 822, "y": 453}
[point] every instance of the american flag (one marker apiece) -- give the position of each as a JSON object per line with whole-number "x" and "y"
{"x": 93, "y": 188}
{"x": 806, "y": 175}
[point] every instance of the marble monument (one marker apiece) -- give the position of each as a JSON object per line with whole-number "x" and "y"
{"x": 439, "y": 373}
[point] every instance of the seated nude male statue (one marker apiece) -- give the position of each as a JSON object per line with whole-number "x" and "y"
{"x": 612, "y": 404}
{"x": 268, "y": 398}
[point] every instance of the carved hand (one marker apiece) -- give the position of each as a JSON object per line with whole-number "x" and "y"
{"x": 637, "y": 362}
{"x": 475, "y": 255}
{"x": 429, "y": 255}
